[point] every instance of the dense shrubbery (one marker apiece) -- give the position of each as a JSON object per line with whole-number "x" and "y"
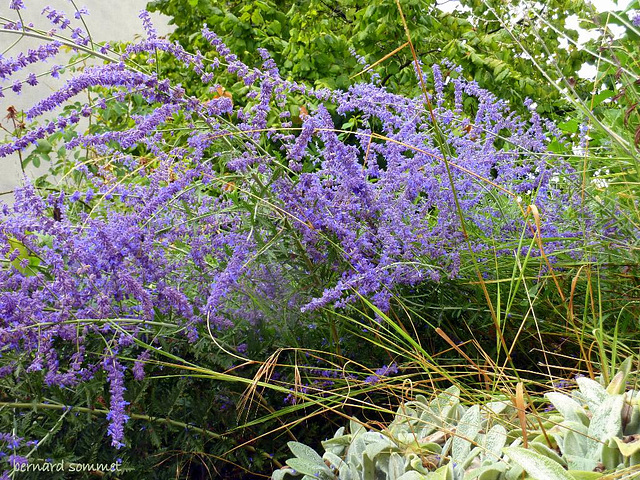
{"x": 197, "y": 253}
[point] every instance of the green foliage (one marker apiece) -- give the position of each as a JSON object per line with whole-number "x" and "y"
{"x": 496, "y": 43}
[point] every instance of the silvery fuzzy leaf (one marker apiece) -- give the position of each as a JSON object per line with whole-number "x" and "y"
{"x": 406, "y": 438}
{"x": 412, "y": 475}
{"x": 487, "y": 472}
{"x": 571, "y": 437}
{"x": 473, "y": 456}
{"x": 568, "y": 407}
{"x": 356, "y": 451}
{"x": 605, "y": 423}
{"x": 548, "y": 452}
{"x": 305, "y": 452}
{"x": 429, "y": 428}
{"x": 448, "y": 398}
{"x": 494, "y": 441}
{"x": 468, "y": 428}
{"x": 337, "y": 445}
{"x": 395, "y": 467}
{"x": 574, "y": 443}
{"x": 333, "y": 459}
{"x": 348, "y": 472}
{"x": 355, "y": 428}
{"x": 375, "y": 447}
{"x": 308, "y": 468}
{"x": 514, "y": 472}
{"x": 368, "y": 468}
{"x": 577, "y": 462}
{"x": 281, "y": 473}
{"x": 496, "y": 408}
{"x": 446, "y": 448}
{"x": 591, "y": 392}
{"x": 375, "y": 437}
{"x": 536, "y": 465}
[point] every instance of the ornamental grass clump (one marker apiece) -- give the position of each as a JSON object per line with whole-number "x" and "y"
{"x": 189, "y": 215}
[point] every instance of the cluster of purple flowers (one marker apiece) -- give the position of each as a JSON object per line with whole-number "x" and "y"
{"x": 194, "y": 229}
{"x": 384, "y": 371}
{"x": 9, "y": 444}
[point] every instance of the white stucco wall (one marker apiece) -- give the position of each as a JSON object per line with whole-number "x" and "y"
{"x": 108, "y": 20}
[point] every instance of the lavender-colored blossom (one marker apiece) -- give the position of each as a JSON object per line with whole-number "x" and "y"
{"x": 148, "y": 25}
{"x": 16, "y": 5}
{"x": 80, "y": 12}
{"x": 383, "y": 371}
{"x": 116, "y": 415}
{"x": 192, "y": 229}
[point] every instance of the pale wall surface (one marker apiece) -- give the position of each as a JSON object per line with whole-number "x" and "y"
{"x": 107, "y": 20}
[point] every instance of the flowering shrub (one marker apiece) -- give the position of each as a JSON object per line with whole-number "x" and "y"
{"x": 197, "y": 212}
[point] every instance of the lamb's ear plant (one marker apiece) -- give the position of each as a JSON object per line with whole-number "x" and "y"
{"x": 592, "y": 431}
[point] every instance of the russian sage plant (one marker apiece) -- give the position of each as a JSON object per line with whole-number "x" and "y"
{"x": 194, "y": 210}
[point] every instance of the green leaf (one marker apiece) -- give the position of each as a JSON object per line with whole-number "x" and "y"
{"x": 571, "y": 126}
{"x": 44, "y": 146}
{"x": 413, "y": 475}
{"x": 256, "y": 17}
{"x": 536, "y": 465}
{"x": 601, "y": 97}
{"x": 583, "y": 475}
{"x": 486, "y": 472}
{"x": 630, "y": 448}
{"x": 275, "y": 27}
